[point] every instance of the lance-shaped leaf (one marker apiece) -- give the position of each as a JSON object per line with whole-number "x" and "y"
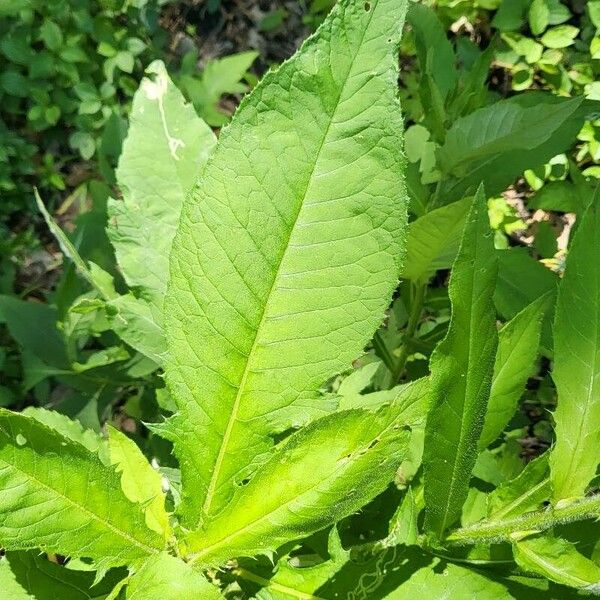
{"x": 166, "y": 147}
{"x": 496, "y": 143}
{"x": 165, "y": 577}
{"x": 461, "y": 371}
{"x": 288, "y": 250}
{"x": 59, "y": 496}
{"x": 324, "y": 472}
{"x": 27, "y": 576}
{"x": 518, "y": 343}
{"x": 576, "y": 370}
{"x": 559, "y": 561}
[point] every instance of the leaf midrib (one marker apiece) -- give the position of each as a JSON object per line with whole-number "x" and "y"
{"x": 247, "y": 370}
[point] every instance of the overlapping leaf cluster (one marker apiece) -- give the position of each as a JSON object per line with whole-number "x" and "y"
{"x": 285, "y": 253}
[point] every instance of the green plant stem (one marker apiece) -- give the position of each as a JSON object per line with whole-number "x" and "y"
{"x": 416, "y": 309}
{"x": 502, "y": 530}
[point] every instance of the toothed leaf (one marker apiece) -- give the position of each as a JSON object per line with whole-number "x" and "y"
{"x": 287, "y": 251}
{"x": 140, "y": 482}
{"x": 326, "y": 471}
{"x": 461, "y": 372}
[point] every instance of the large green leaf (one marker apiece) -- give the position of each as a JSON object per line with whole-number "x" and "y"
{"x": 288, "y": 250}
{"x": 59, "y": 496}
{"x": 495, "y": 144}
{"x": 165, "y": 149}
{"x": 576, "y": 370}
{"x": 324, "y": 472}
{"x": 26, "y": 576}
{"x": 559, "y": 561}
{"x": 461, "y": 372}
{"x": 518, "y": 343}
{"x": 433, "y": 240}
{"x": 165, "y": 577}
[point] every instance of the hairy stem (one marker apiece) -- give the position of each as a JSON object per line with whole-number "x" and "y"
{"x": 502, "y": 530}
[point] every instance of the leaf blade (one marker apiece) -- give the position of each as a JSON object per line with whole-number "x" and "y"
{"x": 168, "y": 135}
{"x": 461, "y": 371}
{"x": 496, "y": 143}
{"x": 559, "y": 561}
{"x": 524, "y": 493}
{"x": 269, "y": 318}
{"x": 576, "y": 372}
{"x": 326, "y": 471}
{"x": 518, "y": 343}
{"x": 140, "y": 482}
{"x": 25, "y": 576}
{"x": 433, "y": 240}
